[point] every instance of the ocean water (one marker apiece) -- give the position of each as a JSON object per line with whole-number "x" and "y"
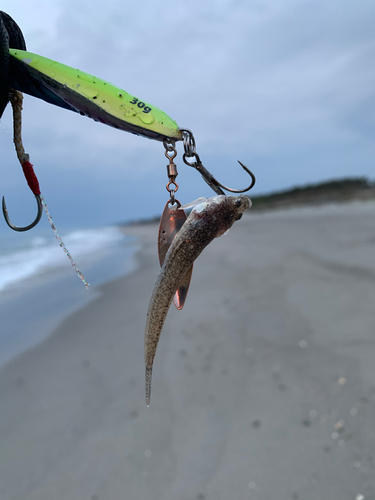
{"x": 39, "y": 287}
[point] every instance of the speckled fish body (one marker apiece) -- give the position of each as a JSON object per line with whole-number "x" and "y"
{"x": 207, "y": 221}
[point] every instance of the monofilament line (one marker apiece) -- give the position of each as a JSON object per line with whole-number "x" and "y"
{"x": 62, "y": 245}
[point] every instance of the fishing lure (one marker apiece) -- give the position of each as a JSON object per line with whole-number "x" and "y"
{"x": 208, "y": 220}
{"x": 75, "y": 90}
{"x": 181, "y": 239}
{"x": 88, "y": 95}
{"x": 102, "y": 101}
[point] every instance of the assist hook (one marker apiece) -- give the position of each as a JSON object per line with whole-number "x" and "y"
{"x": 214, "y": 183}
{"x": 189, "y": 146}
{"x": 30, "y": 226}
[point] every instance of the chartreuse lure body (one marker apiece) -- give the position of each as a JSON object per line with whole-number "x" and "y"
{"x": 88, "y": 95}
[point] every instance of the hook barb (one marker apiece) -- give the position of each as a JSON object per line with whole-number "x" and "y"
{"x": 30, "y": 226}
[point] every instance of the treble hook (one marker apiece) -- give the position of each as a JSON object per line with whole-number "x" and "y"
{"x": 30, "y": 226}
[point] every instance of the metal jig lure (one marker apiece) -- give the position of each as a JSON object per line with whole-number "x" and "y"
{"x": 90, "y": 96}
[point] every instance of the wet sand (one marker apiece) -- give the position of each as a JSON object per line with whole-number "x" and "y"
{"x": 263, "y": 386}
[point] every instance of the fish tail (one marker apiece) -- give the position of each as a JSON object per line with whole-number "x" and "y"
{"x": 148, "y": 384}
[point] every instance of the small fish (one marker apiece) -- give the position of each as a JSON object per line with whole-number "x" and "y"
{"x": 208, "y": 220}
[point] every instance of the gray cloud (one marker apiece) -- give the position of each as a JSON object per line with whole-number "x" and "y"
{"x": 287, "y": 87}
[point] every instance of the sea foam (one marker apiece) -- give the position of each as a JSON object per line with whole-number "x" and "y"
{"x": 41, "y": 253}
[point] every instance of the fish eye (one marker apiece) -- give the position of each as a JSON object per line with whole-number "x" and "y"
{"x": 238, "y": 203}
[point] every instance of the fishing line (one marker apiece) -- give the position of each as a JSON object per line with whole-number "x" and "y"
{"x": 16, "y": 99}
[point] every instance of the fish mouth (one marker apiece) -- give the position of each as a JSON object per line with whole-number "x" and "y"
{"x": 242, "y": 203}
{"x": 248, "y": 200}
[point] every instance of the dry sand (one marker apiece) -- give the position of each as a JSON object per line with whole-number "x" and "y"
{"x": 263, "y": 386}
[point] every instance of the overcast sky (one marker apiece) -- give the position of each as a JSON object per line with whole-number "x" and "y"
{"x": 285, "y": 86}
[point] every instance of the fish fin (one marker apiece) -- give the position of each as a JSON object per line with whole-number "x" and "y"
{"x": 193, "y": 203}
{"x": 148, "y": 384}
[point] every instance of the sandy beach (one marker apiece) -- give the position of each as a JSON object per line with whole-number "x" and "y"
{"x": 263, "y": 385}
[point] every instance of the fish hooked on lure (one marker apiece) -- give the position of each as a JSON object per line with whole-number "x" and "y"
{"x": 208, "y": 220}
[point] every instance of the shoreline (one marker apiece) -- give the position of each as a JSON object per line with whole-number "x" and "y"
{"x": 271, "y": 357}
{"x": 50, "y": 296}
{"x": 80, "y": 300}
